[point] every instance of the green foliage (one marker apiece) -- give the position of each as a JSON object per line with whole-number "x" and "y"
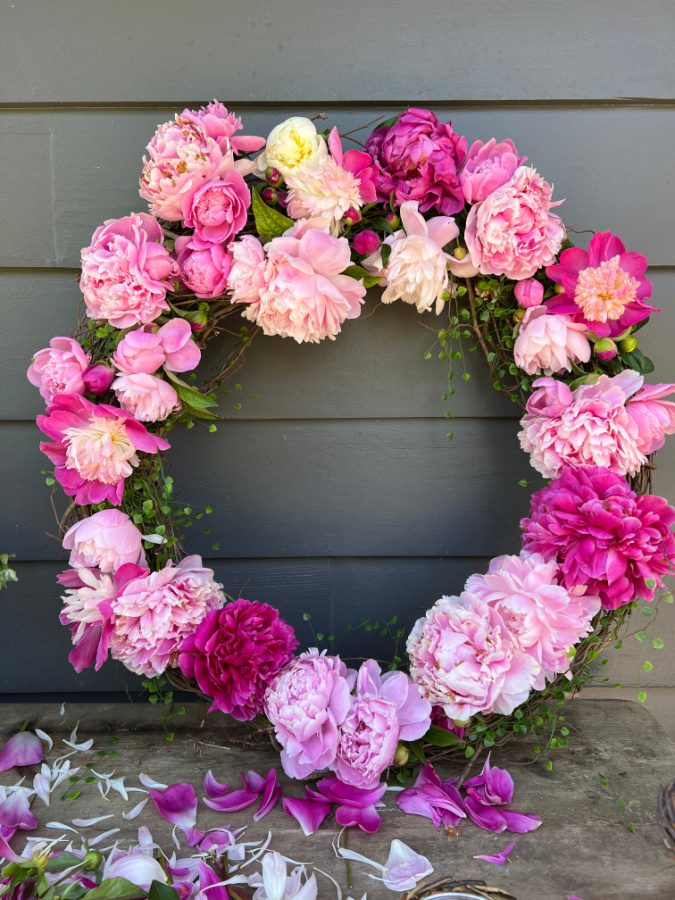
{"x": 269, "y": 222}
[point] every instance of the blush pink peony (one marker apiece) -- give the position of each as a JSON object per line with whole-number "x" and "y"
{"x": 145, "y": 350}
{"x": 529, "y": 293}
{"x": 413, "y": 712}
{"x": 218, "y": 209}
{"x": 367, "y": 742}
{"x": 127, "y": 271}
{"x": 222, "y": 126}
{"x": 59, "y": 368}
{"x": 204, "y": 266}
{"x": 488, "y": 167}
{"x": 654, "y": 417}
{"x": 105, "y": 540}
{"x": 146, "y": 397}
{"x": 465, "y": 659}
{"x": 548, "y": 343}
{"x": 513, "y": 231}
{"x": 546, "y": 619}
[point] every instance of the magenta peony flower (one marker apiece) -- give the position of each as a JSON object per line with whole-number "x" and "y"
{"x": 549, "y": 343}
{"x": 204, "y": 266}
{"x": 604, "y": 288}
{"x": 529, "y": 293}
{"x": 221, "y": 125}
{"x": 126, "y": 271}
{"x": 513, "y": 231}
{"x": 146, "y": 397}
{"x": 604, "y": 537}
{"x": 235, "y": 653}
{"x": 366, "y": 242}
{"x": 306, "y": 703}
{"x": 146, "y": 349}
{"x": 98, "y": 378}
{"x": 105, "y": 540}
{"x": 488, "y": 167}
{"x": 218, "y": 209}
{"x": 418, "y": 158}
{"x": 547, "y": 620}
{"x": 155, "y": 613}
{"x": 94, "y": 447}
{"x": 589, "y": 426}
{"x": 59, "y": 368}
{"x": 464, "y": 658}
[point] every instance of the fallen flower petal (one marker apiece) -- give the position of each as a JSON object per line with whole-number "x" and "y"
{"x": 355, "y": 806}
{"x": 429, "y": 797}
{"x": 309, "y": 813}
{"x": 271, "y": 793}
{"x": 520, "y": 822}
{"x": 45, "y": 738}
{"x": 86, "y": 823}
{"x": 485, "y": 816}
{"x": 252, "y": 781}
{"x": 15, "y": 813}
{"x": 135, "y": 811}
{"x": 82, "y": 745}
{"x": 404, "y": 867}
{"x": 497, "y": 859}
{"x": 493, "y": 786}
{"x": 367, "y": 818}
{"x": 177, "y": 804}
{"x": 6, "y": 851}
{"x": 23, "y": 749}
{"x": 212, "y": 788}
{"x": 232, "y": 802}
{"x": 94, "y": 842}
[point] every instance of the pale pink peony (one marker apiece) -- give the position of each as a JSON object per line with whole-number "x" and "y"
{"x": 416, "y": 271}
{"x": 306, "y": 703}
{"x": 547, "y": 620}
{"x": 413, "y": 712}
{"x": 464, "y": 659}
{"x": 654, "y": 417}
{"x": 59, "y": 368}
{"x": 368, "y": 741}
{"x": 153, "y": 614}
{"x": 590, "y": 426}
{"x": 218, "y": 209}
{"x": 145, "y": 350}
{"x": 513, "y": 231}
{"x": 248, "y": 275}
{"x": 549, "y": 343}
{"x": 529, "y": 293}
{"x": 488, "y": 167}
{"x": 146, "y": 397}
{"x": 222, "y": 126}
{"x": 126, "y": 271}
{"x": 204, "y": 266}
{"x": 105, "y": 540}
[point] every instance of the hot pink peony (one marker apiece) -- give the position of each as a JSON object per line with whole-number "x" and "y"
{"x": 604, "y": 288}
{"x": 546, "y": 619}
{"x": 488, "y": 167}
{"x": 59, "y": 368}
{"x": 94, "y": 447}
{"x": 204, "y": 266}
{"x": 218, "y": 209}
{"x": 105, "y": 540}
{"x": 604, "y": 537}
{"x": 235, "y": 653}
{"x": 98, "y": 378}
{"x": 549, "y": 343}
{"x": 464, "y": 658}
{"x": 147, "y": 349}
{"x": 366, "y": 242}
{"x": 126, "y": 271}
{"x": 418, "y": 158}
{"x": 154, "y": 614}
{"x": 146, "y": 397}
{"x": 306, "y": 703}
{"x": 513, "y": 231}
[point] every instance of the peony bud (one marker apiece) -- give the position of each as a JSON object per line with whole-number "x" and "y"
{"x": 98, "y": 378}
{"x": 270, "y": 196}
{"x": 366, "y": 242}
{"x": 605, "y": 349}
{"x": 628, "y": 344}
{"x": 92, "y": 860}
{"x": 402, "y": 755}
{"x": 273, "y": 176}
{"x": 352, "y": 216}
{"x": 393, "y": 220}
{"x": 529, "y": 293}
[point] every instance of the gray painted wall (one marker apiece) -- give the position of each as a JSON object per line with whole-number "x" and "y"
{"x": 335, "y": 488}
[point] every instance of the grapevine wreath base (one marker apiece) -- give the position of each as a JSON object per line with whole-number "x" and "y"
{"x": 283, "y": 236}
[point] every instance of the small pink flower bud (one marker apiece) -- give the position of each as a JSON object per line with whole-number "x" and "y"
{"x": 98, "y": 378}
{"x": 270, "y": 196}
{"x": 393, "y": 220}
{"x": 352, "y": 216}
{"x": 273, "y": 177}
{"x": 529, "y": 293}
{"x": 605, "y": 349}
{"x": 366, "y": 242}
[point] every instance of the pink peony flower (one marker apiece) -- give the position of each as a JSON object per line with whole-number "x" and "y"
{"x": 126, "y": 271}
{"x": 295, "y": 288}
{"x": 604, "y": 537}
{"x": 418, "y": 158}
{"x": 549, "y": 343}
{"x": 604, "y": 288}
{"x": 94, "y": 447}
{"x": 547, "y": 620}
{"x": 146, "y": 397}
{"x": 513, "y": 231}
{"x": 413, "y": 712}
{"x": 653, "y": 416}
{"x": 416, "y": 271}
{"x": 306, "y": 703}
{"x": 204, "y": 266}
{"x": 529, "y": 293}
{"x": 221, "y": 125}
{"x": 154, "y": 614}
{"x": 488, "y": 167}
{"x": 588, "y": 426}
{"x": 235, "y": 653}
{"x": 464, "y": 658}
{"x": 366, "y": 242}
{"x": 147, "y": 349}
{"x": 218, "y": 209}
{"x": 105, "y": 540}
{"x": 98, "y": 378}
{"x": 59, "y": 368}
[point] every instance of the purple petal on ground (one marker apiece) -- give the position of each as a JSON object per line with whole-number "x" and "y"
{"x": 232, "y": 802}
{"x": 6, "y": 851}
{"x": 254, "y": 782}
{"x": 308, "y": 813}
{"x": 497, "y": 859}
{"x": 213, "y": 788}
{"x": 177, "y": 804}
{"x": 15, "y": 814}
{"x": 366, "y": 818}
{"x": 271, "y": 793}
{"x": 520, "y": 822}
{"x": 485, "y": 816}
{"x": 23, "y": 749}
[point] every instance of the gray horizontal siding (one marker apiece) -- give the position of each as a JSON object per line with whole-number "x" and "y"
{"x": 92, "y": 50}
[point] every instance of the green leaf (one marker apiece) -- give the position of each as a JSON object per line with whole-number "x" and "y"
{"x": 159, "y": 891}
{"x": 642, "y": 696}
{"x": 360, "y": 274}
{"x": 439, "y": 737}
{"x": 116, "y": 889}
{"x": 63, "y": 860}
{"x": 638, "y": 361}
{"x": 647, "y": 665}
{"x": 269, "y": 222}
{"x": 658, "y": 644}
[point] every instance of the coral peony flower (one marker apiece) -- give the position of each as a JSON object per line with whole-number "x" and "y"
{"x": 291, "y": 145}
{"x": 549, "y": 343}
{"x": 591, "y": 426}
{"x": 306, "y": 703}
{"x": 204, "y": 266}
{"x": 464, "y": 658}
{"x": 218, "y": 209}
{"x": 154, "y": 614}
{"x": 105, "y": 540}
{"x": 604, "y": 288}
{"x": 147, "y": 349}
{"x": 235, "y": 653}
{"x": 59, "y": 368}
{"x": 94, "y": 447}
{"x": 529, "y": 293}
{"x": 368, "y": 741}
{"x": 418, "y": 158}
{"x": 146, "y": 397}
{"x": 126, "y": 271}
{"x": 547, "y": 620}
{"x": 488, "y": 167}
{"x": 416, "y": 271}
{"x": 221, "y": 125}
{"x": 616, "y": 544}
{"x": 513, "y": 231}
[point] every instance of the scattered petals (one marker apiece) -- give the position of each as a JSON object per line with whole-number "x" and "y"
{"x": 177, "y": 804}
{"x": 23, "y": 749}
{"x": 309, "y": 813}
{"x": 212, "y": 788}
{"x": 271, "y": 794}
{"x": 497, "y": 859}
{"x": 82, "y": 745}
{"x": 45, "y": 738}
{"x": 87, "y": 823}
{"x": 149, "y": 782}
{"x": 135, "y": 810}
{"x": 232, "y": 802}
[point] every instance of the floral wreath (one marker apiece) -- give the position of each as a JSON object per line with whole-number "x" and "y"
{"x": 289, "y": 233}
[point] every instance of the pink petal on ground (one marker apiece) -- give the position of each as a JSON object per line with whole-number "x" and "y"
{"x": 366, "y": 818}
{"x": 308, "y": 813}
{"x": 519, "y": 822}
{"x": 213, "y": 788}
{"x": 177, "y": 804}
{"x": 232, "y": 802}
{"x": 497, "y": 859}
{"x": 485, "y": 816}
{"x": 23, "y": 749}
{"x": 6, "y": 851}
{"x": 15, "y": 814}
{"x": 271, "y": 794}
{"x": 252, "y": 781}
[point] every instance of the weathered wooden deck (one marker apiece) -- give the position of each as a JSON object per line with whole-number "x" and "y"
{"x": 584, "y": 846}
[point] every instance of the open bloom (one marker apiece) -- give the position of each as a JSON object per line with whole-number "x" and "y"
{"x": 144, "y": 350}
{"x": 605, "y": 288}
{"x": 105, "y": 540}
{"x": 513, "y": 231}
{"x": 126, "y": 271}
{"x": 218, "y": 209}
{"x": 204, "y": 266}
{"x": 549, "y": 343}
{"x": 94, "y": 447}
{"x": 416, "y": 271}
{"x": 146, "y": 397}
{"x": 59, "y": 368}
{"x": 616, "y": 544}
{"x": 136, "y": 865}
{"x": 488, "y": 167}
{"x": 276, "y": 883}
{"x": 291, "y": 145}
{"x": 464, "y": 658}
{"x": 222, "y": 126}
{"x": 367, "y": 742}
